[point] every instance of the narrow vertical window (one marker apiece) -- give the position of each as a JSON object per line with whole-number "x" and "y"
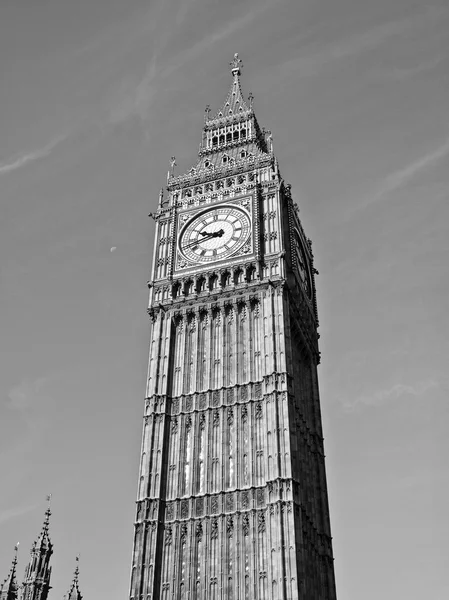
{"x": 188, "y": 443}
{"x": 201, "y": 456}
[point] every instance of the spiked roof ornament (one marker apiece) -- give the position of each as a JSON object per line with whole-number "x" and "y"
{"x": 74, "y": 591}
{"x": 235, "y": 103}
{"x": 9, "y": 588}
{"x": 236, "y": 65}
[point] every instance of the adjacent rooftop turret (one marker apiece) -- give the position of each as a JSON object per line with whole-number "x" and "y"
{"x": 36, "y": 583}
{"x": 74, "y": 591}
{"x": 9, "y": 589}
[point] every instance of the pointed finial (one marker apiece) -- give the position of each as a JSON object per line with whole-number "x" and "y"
{"x": 74, "y": 592}
{"x": 10, "y": 580}
{"x": 172, "y": 167}
{"x": 47, "y": 512}
{"x": 77, "y": 569}
{"x": 250, "y": 98}
{"x": 161, "y": 197}
{"x": 236, "y": 65}
{"x": 206, "y": 113}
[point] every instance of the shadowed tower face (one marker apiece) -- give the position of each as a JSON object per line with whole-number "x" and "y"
{"x": 232, "y": 500}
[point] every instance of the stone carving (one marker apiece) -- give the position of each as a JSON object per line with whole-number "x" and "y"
{"x": 169, "y": 512}
{"x": 188, "y": 423}
{"x": 245, "y": 499}
{"x": 174, "y": 425}
{"x": 230, "y": 526}
{"x": 214, "y": 505}
{"x": 244, "y": 414}
{"x": 202, "y": 401}
{"x": 183, "y": 533}
{"x": 216, "y": 421}
{"x": 199, "y": 531}
{"x": 258, "y": 410}
{"x": 189, "y": 403}
{"x": 229, "y": 502}
{"x": 244, "y": 393}
{"x": 260, "y": 497}
{"x": 202, "y": 421}
{"x": 245, "y": 525}
{"x": 214, "y": 529}
{"x": 230, "y": 416}
{"x": 216, "y": 398}
{"x": 261, "y": 522}
{"x": 184, "y": 509}
{"x": 168, "y": 535}
{"x": 258, "y": 390}
{"x": 199, "y": 506}
{"x": 230, "y": 396}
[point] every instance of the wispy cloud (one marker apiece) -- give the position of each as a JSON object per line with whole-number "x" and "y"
{"x": 391, "y": 394}
{"x": 136, "y": 99}
{"x": 23, "y": 160}
{"x": 401, "y": 73}
{"x": 403, "y": 176}
{"x": 311, "y": 63}
{"x": 11, "y": 513}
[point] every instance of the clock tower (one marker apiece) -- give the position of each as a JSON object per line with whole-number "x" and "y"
{"x": 232, "y": 499}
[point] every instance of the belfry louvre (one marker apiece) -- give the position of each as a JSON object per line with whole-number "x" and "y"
{"x": 232, "y": 498}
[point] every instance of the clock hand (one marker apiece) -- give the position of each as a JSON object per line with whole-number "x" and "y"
{"x": 207, "y": 236}
{"x": 212, "y": 233}
{"x": 196, "y": 242}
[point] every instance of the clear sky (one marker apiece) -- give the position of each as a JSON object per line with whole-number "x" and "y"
{"x": 95, "y": 96}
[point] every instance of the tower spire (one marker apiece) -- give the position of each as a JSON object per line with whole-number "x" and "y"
{"x": 231, "y": 136}
{"x": 235, "y": 103}
{"x": 74, "y": 591}
{"x": 9, "y": 588}
{"x": 36, "y": 582}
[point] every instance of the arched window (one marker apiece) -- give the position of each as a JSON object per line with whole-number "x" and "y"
{"x": 243, "y": 133}
{"x": 201, "y": 285}
{"x": 236, "y": 135}
{"x": 229, "y": 137}
{"x": 215, "y": 141}
{"x": 225, "y": 159}
{"x": 238, "y": 275}
{"x": 226, "y": 279}
{"x": 222, "y": 139}
{"x": 213, "y": 282}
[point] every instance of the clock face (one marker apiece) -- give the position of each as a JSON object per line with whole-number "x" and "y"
{"x": 215, "y": 234}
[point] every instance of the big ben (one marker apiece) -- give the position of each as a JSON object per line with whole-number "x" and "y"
{"x": 232, "y": 497}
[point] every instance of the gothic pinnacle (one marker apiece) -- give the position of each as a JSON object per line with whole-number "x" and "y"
{"x": 74, "y": 592}
{"x": 236, "y": 65}
{"x": 9, "y": 588}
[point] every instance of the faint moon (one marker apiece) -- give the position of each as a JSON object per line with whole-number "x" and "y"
{"x": 113, "y": 248}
